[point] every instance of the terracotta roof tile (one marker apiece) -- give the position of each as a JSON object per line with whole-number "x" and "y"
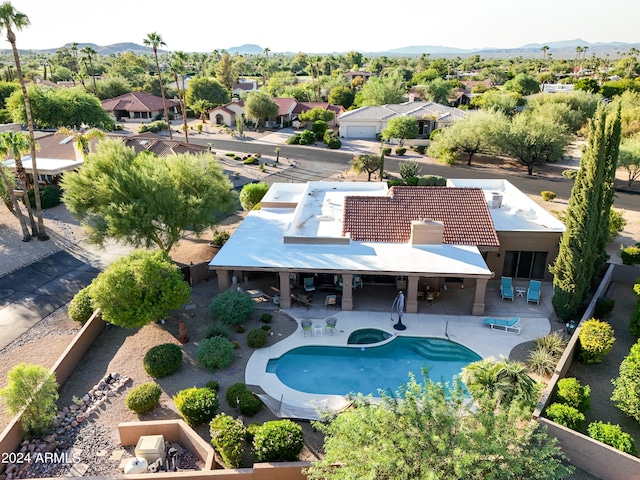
{"x": 463, "y": 211}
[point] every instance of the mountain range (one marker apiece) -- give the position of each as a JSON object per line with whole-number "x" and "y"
{"x": 559, "y": 49}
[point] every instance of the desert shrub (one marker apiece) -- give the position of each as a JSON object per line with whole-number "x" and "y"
{"x": 231, "y": 307}
{"x": 565, "y": 415}
{"x": 626, "y": 391}
{"x": 613, "y": 436}
{"x": 395, "y": 183}
{"x": 162, "y": 360}
{"x": 278, "y": 441}
{"x": 554, "y": 343}
{"x": 196, "y": 405}
{"x": 542, "y": 362}
{"x": 386, "y": 150}
{"x": 227, "y": 437}
{"x": 212, "y": 385}
{"x": 319, "y": 128}
{"x": 334, "y": 143}
{"x": 634, "y": 321}
{"x": 571, "y": 392}
{"x": 239, "y": 395}
{"x": 432, "y": 181}
{"x": 50, "y": 196}
{"x": 307, "y": 137}
{"x": 617, "y": 222}
{"x": 144, "y": 397}
{"x": 81, "y": 306}
{"x": 630, "y": 255}
{"x": 32, "y": 390}
{"x": 218, "y": 329}
{"x": 421, "y": 149}
{"x": 409, "y": 169}
{"x": 266, "y": 328}
{"x": 294, "y": 139}
{"x": 257, "y": 338}
{"x": 235, "y": 344}
{"x": 412, "y": 181}
{"x": 547, "y": 195}
{"x": 220, "y": 237}
{"x": 400, "y": 151}
{"x": 252, "y": 428}
{"x": 251, "y": 161}
{"x": 213, "y": 353}
{"x": 604, "y": 305}
{"x": 266, "y": 317}
{"x": 153, "y": 127}
{"x": 596, "y": 341}
{"x": 571, "y": 174}
{"x": 240, "y": 328}
{"x": 230, "y": 154}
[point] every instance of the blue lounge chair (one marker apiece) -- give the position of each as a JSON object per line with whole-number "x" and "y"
{"x": 533, "y": 292}
{"x": 309, "y": 285}
{"x": 506, "y": 288}
{"x": 511, "y": 326}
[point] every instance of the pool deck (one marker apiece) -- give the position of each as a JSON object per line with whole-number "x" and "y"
{"x": 466, "y": 330}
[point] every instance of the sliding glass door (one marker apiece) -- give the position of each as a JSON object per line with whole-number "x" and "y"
{"x": 519, "y": 264}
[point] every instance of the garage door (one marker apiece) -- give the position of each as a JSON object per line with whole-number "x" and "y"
{"x": 354, "y": 131}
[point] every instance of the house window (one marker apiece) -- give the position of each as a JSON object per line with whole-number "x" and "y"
{"x": 524, "y": 264}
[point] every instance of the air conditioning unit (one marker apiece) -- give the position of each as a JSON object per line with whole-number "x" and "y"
{"x": 496, "y": 200}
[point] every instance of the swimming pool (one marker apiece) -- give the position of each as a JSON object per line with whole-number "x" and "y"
{"x": 366, "y": 336}
{"x": 366, "y": 369}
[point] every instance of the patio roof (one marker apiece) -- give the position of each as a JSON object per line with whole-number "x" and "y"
{"x": 46, "y": 166}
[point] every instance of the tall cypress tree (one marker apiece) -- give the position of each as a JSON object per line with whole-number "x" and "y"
{"x": 579, "y": 246}
{"x": 612, "y": 148}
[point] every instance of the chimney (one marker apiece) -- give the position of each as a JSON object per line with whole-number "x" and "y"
{"x": 426, "y": 232}
{"x": 496, "y": 200}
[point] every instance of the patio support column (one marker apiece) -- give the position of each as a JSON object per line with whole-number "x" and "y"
{"x": 347, "y": 292}
{"x": 412, "y": 295}
{"x": 478, "y": 300}
{"x": 223, "y": 280}
{"x": 285, "y": 290}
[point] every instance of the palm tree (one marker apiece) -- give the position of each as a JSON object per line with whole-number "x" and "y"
{"x": 154, "y": 40}
{"x": 89, "y": 54}
{"x": 177, "y": 68}
{"x": 200, "y": 107}
{"x": 545, "y": 49}
{"x": 10, "y": 19}
{"x": 81, "y": 139}
{"x": 17, "y": 212}
{"x": 74, "y": 52}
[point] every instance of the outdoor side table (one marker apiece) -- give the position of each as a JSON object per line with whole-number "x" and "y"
{"x": 318, "y": 328}
{"x": 520, "y": 291}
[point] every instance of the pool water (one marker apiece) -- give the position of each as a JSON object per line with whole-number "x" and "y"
{"x": 343, "y": 370}
{"x": 366, "y": 336}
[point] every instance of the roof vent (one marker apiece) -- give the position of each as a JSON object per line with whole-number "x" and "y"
{"x": 496, "y": 200}
{"x": 66, "y": 140}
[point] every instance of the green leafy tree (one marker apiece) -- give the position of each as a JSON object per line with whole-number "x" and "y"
{"x": 530, "y": 140}
{"x": 590, "y": 85}
{"x": 572, "y": 109}
{"x": 34, "y": 389}
{"x": 498, "y": 101}
{"x": 251, "y": 194}
{"x": 139, "y": 289}
{"x": 580, "y": 245}
{"x": 315, "y": 114}
{"x": 259, "y": 105}
{"x": 472, "y": 135}
{"x": 226, "y": 71}
{"x": 381, "y": 91}
{"x": 626, "y": 392}
{"x": 368, "y": 163}
{"x": 144, "y": 200}
{"x": 401, "y": 128}
{"x": 429, "y": 430}
{"x": 629, "y": 158}
{"x": 522, "y": 84}
{"x": 438, "y": 90}
{"x": 111, "y": 87}
{"x": 206, "y": 88}
{"x": 155, "y": 41}
{"x": 11, "y": 19}
{"x": 61, "y": 107}
{"x": 341, "y": 95}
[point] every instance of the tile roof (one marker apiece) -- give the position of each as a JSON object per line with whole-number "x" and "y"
{"x": 414, "y": 109}
{"x": 463, "y": 211}
{"x": 284, "y": 104}
{"x": 137, "y": 102}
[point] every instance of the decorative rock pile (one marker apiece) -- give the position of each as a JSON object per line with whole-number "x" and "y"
{"x": 59, "y": 452}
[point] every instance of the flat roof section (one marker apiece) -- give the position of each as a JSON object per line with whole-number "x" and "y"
{"x": 46, "y": 166}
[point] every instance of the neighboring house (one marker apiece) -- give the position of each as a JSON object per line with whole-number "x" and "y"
{"x": 367, "y": 122}
{"x": 470, "y": 231}
{"x": 227, "y": 114}
{"x": 139, "y": 106}
{"x": 244, "y": 87}
{"x": 359, "y": 73}
{"x": 288, "y": 111}
{"x": 557, "y": 87}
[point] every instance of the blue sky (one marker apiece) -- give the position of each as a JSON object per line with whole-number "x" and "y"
{"x": 324, "y": 26}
